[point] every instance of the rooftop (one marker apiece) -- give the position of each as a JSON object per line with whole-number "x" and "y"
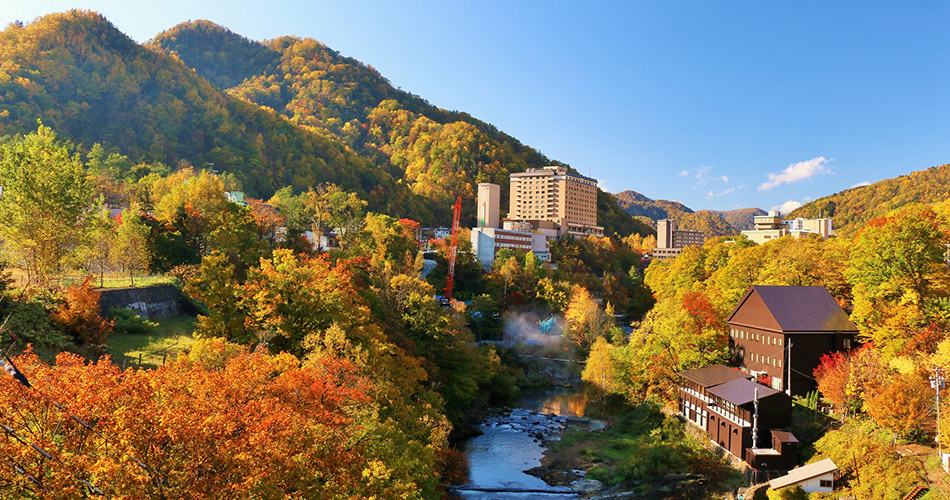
{"x": 742, "y": 391}
{"x": 713, "y": 375}
{"x": 793, "y": 309}
{"x": 784, "y": 436}
{"x": 804, "y": 473}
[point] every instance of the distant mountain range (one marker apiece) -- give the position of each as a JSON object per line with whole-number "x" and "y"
{"x": 711, "y": 222}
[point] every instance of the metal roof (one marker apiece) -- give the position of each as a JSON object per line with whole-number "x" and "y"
{"x": 799, "y": 308}
{"x": 804, "y": 473}
{"x": 784, "y": 436}
{"x": 713, "y": 375}
{"x": 742, "y": 391}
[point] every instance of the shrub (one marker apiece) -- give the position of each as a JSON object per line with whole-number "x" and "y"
{"x": 128, "y": 322}
{"x": 788, "y": 493}
{"x": 79, "y": 315}
{"x": 30, "y": 324}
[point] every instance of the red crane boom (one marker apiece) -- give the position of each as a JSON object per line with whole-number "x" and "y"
{"x": 453, "y": 250}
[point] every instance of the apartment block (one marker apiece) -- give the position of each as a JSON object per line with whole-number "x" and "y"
{"x": 557, "y": 195}
{"x": 488, "y": 238}
{"x": 489, "y": 202}
{"x": 670, "y": 241}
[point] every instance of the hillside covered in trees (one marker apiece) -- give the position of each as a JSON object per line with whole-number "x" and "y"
{"x": 852, "y": 208}
{"x": 291, "y": 112}
{"x": 711, "y": 222}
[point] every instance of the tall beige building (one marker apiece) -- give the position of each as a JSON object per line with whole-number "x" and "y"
{"x": 554, "y": 194}
{"x": 489, "y": 201}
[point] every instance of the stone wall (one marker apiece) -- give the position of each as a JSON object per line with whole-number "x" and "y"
{"x": 150, "y": 302}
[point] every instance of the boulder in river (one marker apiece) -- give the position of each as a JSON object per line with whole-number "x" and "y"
{"x": 587, "y": 486}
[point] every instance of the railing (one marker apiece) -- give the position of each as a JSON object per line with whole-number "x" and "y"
{"x": 917, "y": 493}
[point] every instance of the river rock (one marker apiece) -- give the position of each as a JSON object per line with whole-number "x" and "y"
{"x": 587, "y": 486}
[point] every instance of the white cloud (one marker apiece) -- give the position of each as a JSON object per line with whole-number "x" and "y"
{"x": 806, "y": 199}
{"x": 860, "y": 184}
{"x": 684, "y": 173}
{"x": 797, "y": 172}
{"x": 725, "y": 179}
{"x": 787, "y": 207}
{"x": 710, "y": 195}
{"x": 700, "y": 175}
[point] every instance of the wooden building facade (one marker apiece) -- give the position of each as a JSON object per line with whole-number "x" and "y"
{"x": 781, "y": 333}
{"x": 722, "y": 400}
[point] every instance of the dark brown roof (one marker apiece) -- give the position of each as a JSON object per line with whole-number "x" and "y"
{"x": 742, "y": 391}
{"x": 784, "y": 436}
{"x": 713, "y": 375}
{"x": 794, "y": 309}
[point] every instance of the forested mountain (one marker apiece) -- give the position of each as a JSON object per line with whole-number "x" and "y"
{"x": 291, "y": 112}
{"x": 711, "y": 222}
{"x": 740, "y": 218}
{"x": 852, "y": 208}
{"x": 438, "y": 154}
{"x": 93, "y": 84}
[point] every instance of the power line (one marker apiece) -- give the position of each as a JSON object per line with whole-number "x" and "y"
{"x": 8, "y": 365}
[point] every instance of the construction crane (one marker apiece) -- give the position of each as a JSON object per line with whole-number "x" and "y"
{"x": 453, "y": 250}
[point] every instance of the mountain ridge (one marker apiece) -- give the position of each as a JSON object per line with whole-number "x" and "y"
{"x": 852, "y": 208}
{"x": 711, "y": 222}
{"x": 294, "y": 113}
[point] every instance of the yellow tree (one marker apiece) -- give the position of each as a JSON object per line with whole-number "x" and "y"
{"x": 585, "y": 320}
{"x": 599, "y": 369}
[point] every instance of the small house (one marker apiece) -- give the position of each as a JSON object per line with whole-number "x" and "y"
{"x": 816, "y": 476}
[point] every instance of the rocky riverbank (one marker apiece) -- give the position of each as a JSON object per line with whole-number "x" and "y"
{"x": 567, "y": 464}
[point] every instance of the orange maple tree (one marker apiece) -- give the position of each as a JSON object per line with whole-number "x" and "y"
{"x": 225, "y": 424}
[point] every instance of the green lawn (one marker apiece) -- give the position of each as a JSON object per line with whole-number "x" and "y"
{"x": 170, "y": 337}
{"x": 110, "y": 280}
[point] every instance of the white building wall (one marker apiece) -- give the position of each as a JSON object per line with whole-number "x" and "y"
{"x": 814, "y": 484}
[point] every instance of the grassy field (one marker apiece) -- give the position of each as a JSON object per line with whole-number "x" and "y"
{"x": 170, "y": 337}
{"x": 110, "y": 280}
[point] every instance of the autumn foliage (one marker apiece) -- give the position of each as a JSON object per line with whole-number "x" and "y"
{"x": 245, "y": 425}
{"x": 80, "y": 315}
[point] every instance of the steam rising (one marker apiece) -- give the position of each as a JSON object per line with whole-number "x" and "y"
{"x": 533, "y": 329}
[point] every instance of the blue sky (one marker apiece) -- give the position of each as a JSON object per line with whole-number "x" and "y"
{"x": 715, "y": 104}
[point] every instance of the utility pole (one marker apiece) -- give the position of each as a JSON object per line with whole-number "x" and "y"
{"x": 755, "y": 420}
{"x": 937, "y": 383}
{"x": 788, "y": 387}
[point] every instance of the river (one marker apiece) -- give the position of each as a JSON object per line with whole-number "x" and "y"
{"x": 510, "y": 444}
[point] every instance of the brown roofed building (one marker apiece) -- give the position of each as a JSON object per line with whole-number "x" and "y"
{"x": 781, "y": 332}
{"x": 722, "y": 401}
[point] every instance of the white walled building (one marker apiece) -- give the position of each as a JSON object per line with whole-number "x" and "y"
{"x": 773, "y": 226}
{"x": 817, "y": 476}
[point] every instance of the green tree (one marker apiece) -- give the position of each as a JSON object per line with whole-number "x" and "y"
{"x": 899, "y": 277}
{"x": 217, "y": 287}
{"x": 101, "y": 235}
{"x": 131, "y": 244}
{"x": 44, "y": 203}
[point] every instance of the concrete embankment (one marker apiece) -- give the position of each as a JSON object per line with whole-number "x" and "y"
{"x": 150, "y": 302}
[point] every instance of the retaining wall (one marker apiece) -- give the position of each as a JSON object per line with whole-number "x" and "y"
{"x": 150, "y": 302}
